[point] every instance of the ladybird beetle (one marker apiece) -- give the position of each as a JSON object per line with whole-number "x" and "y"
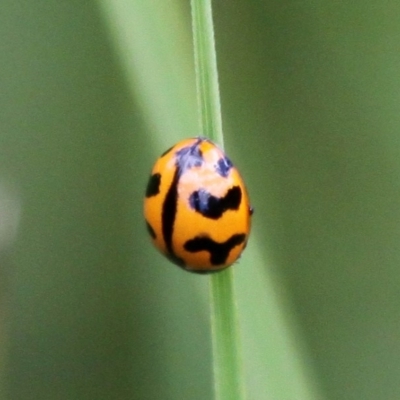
{"x": 196, "y": 207}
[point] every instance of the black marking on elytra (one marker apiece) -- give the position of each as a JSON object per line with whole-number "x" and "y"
{"x": 169, "y": 212}
{"x": 213, "y": 207}
{"x": 219, "y": 252}
{"x": 187, "y": 157}
{"x": 153, "y": 185}
{"x": 151, "y": 231}
{"x": 224, "y": 165}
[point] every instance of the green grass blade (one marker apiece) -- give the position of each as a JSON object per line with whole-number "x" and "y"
{"x": 206, "y": 71}
{"x": 228, "y": 377}
{"x": 224, "y": 322}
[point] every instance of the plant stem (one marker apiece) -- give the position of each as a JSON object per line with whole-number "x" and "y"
{"x": 225, "y": 335}
{"x": 224, "y": 322}
{"x": 206, "y": 71}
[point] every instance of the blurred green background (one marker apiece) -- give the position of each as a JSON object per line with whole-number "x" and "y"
{"x": 91, "y": 92}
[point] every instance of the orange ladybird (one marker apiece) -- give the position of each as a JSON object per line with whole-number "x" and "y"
{"x": 197, "y": 208}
